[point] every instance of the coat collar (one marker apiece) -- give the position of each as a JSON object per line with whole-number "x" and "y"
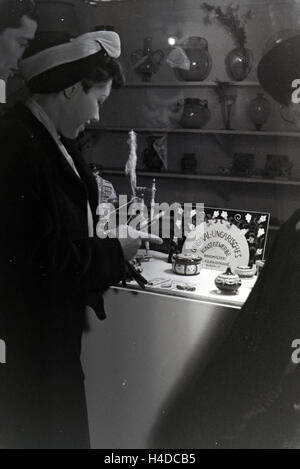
{"x": 86, "y": 184}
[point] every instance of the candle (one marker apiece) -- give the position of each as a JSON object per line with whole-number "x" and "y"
{"x": 130, "y": 168}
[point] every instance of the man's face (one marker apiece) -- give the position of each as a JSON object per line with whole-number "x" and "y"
{"x": 13, "y": 43}
{"x": 79, "y": 108}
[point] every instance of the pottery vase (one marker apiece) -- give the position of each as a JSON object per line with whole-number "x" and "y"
{"x": 259, "y": 110}
{"x": 195, "y": 114}
{"x": 239, "y": 63}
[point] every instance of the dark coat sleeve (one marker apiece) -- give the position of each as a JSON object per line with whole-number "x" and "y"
{"x": 32, "y": 254}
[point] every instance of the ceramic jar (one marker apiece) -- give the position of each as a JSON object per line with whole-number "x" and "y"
{"x": 228, "y": 282}
{"x": 189, "y": 163}
{"x": 278, "y": 166}
{"x": 196, "y": 49}
{"x": 186, "y": 265}
{"x": 259, "y": 110}
{"x": 195, "y": 114}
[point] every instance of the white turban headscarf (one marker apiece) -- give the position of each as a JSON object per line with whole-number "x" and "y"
{"x": 79, "y": 48}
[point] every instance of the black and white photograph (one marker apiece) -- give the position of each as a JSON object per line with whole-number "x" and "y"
{"x": 150, "y": 227}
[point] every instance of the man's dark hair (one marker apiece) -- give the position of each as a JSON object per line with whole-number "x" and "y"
{"x": 12, "y": 12}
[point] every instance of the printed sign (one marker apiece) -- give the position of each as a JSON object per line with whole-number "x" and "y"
{"x": 228, "y": 238}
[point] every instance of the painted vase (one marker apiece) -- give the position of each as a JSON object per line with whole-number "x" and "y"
{"x": 239, "y": 63}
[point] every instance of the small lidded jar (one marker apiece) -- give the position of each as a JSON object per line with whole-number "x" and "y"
{"x": 184, "y": 264}
{"x": 228, "y": 282}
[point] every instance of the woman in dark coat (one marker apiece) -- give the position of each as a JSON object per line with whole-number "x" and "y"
{"x": 51, "y": 263}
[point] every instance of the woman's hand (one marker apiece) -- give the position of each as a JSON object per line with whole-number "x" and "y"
{"x": 131, "y": 240}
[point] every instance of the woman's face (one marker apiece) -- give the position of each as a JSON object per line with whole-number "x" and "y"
{"x": 80, "y": 108}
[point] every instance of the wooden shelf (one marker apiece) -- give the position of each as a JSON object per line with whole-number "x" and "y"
{"x": 190, "y": 84}
{"x": 205, "y": 177}
{"x": 196, "y": 131}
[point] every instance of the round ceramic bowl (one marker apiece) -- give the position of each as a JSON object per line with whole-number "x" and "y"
{"x": 245, "y": 271}
{"x": 186, "y": 264}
